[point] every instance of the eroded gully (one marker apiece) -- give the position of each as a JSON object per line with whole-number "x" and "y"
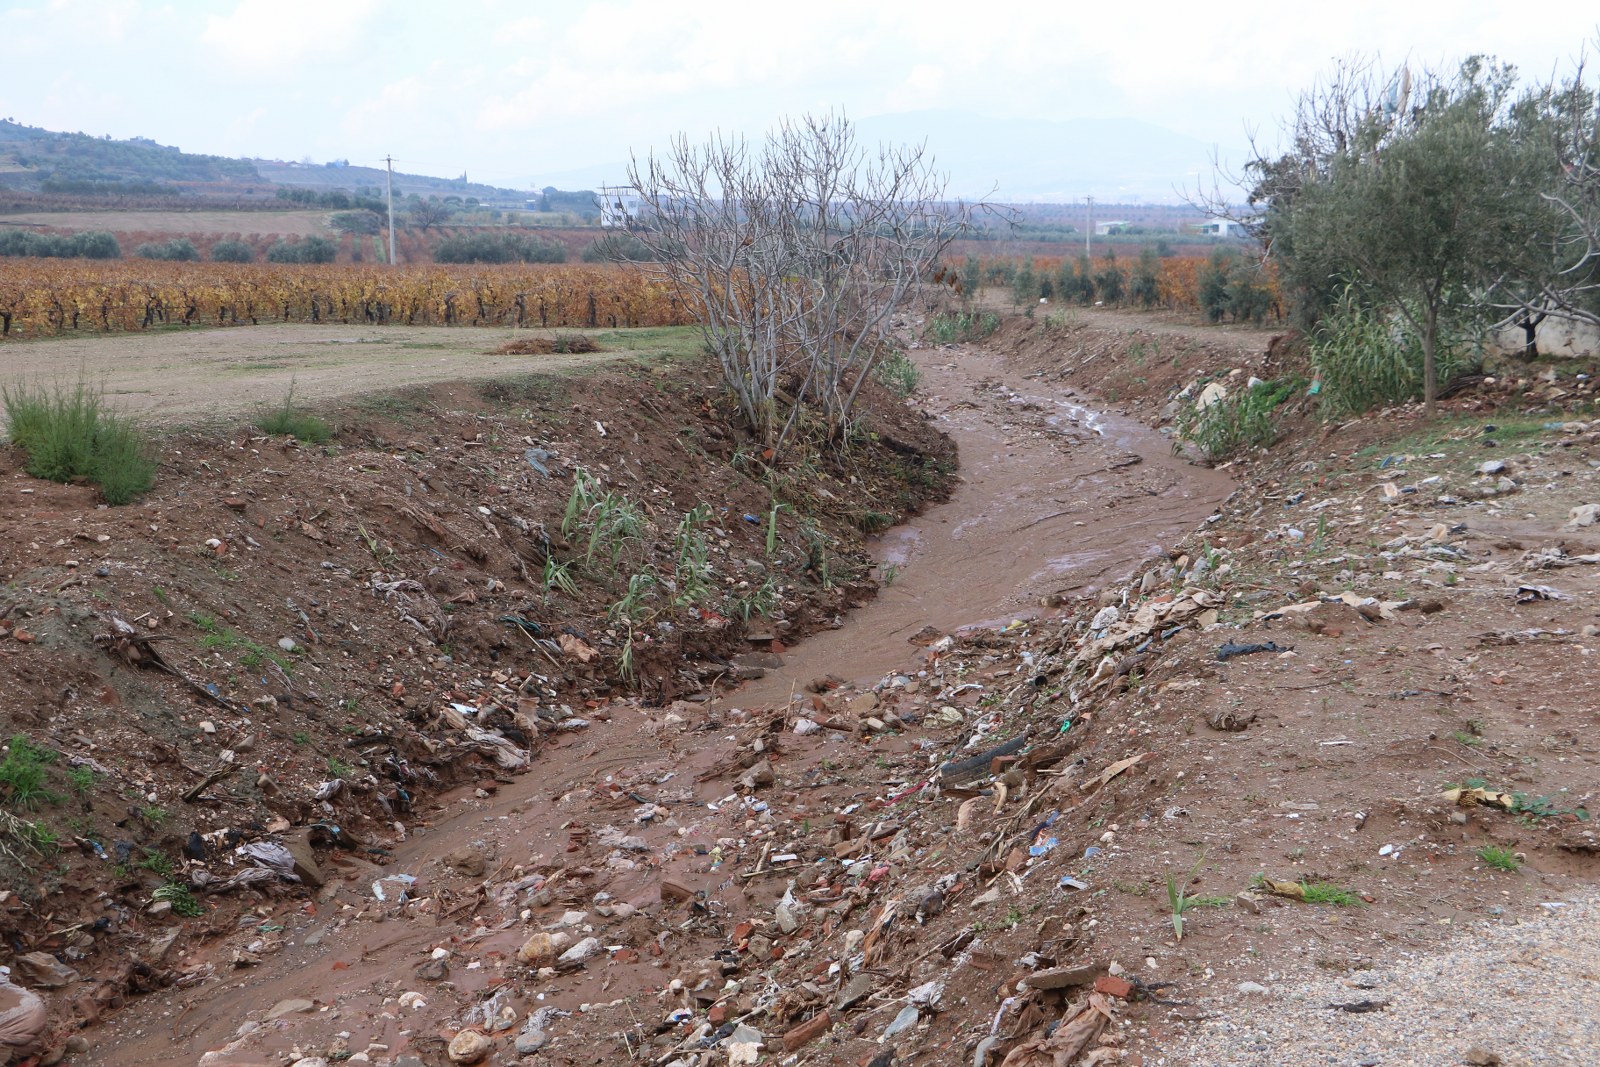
{"x": 1055, "y": 498}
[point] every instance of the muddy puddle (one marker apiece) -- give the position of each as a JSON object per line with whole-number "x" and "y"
{"x": 1057, "y": 498}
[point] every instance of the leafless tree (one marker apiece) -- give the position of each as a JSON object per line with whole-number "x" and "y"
{"x": 796, "y": 254}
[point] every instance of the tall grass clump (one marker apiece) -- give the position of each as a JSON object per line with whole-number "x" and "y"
{"x": 69, "y": 435}
{"x": 953, "y": 327}
{"x": 1237, "y": 423}
{"x": 1366, "y": 358}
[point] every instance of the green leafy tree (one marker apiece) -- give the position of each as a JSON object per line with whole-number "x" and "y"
{"x": 1110, "y": 281}
{"x": 428, "y": 213}
{"x": 1144, "y": 285}
{"x": 971, "y": 277}
{"x": 1421, "y": 208}
{"x": 1025, "y": 283}
{"x": 232, "y": 251}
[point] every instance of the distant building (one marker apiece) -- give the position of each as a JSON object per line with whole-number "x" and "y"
{"x": 619, "y": 204}
{"x": 1223, "y": 228}
{"x": 1107, "y": 229}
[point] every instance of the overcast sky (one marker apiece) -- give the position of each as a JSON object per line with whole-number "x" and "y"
{"x": 513, "y": 91}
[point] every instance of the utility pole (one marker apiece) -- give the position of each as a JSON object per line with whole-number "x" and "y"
{"x": 389, "y": 161}
{"x": 1088, "y": 229}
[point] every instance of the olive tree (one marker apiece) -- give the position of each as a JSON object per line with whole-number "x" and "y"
{"x": 1420, "y": 203}
{"x": 1561, "y": 276}
{"x": 795, "y": 254}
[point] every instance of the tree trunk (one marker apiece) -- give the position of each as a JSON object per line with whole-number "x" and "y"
{"x": 1430, "y": 372}
{"x": 1530, "y": 332}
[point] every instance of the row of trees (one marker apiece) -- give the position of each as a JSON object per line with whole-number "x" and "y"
{"x": 1227, "y": 285}
{"x": 1444, "y": 203}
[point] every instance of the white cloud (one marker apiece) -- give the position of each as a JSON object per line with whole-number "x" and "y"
{"x": 270, "y": 35}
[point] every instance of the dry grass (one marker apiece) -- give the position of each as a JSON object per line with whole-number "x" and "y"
{"x": 544, "y": 346}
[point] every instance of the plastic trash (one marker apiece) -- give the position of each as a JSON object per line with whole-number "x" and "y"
{"x": 23, "y": 1019}
{"x": 394, "y": 887}
{"x": 1230, "y": 649}
{"x": 271, "y": 855}
{"x": 537, "y": 458}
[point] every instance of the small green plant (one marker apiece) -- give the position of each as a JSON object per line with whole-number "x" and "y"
{"x": 339, "y": 768}
{"x": 1465, "y": 738}
{"x": 1013, "y": 918}
{"x": 301, "y": 737}
{"x": 153, "y": 814}
{"x": 891, "y": 571}
{"x": 1501, "y": 859}
{"x": 1328, "y": 893}
{"x": 951, "y": 328}
{"x": 641, "y": 587}
{"x": 180, "y": 897}
{"x": 897, "y": 373}
{"x": 1319, "y": 537}
{"x": 691, "y": 572}
{"x": 612, "y": 521}
{"x": 290, "y": 420}
{"x": 82, "y": 780}
{"x": 30, "y": 835}
{"x": 558, "y": 576}
{"x": 69, "y": 435}
{"x": 23, "y": 771}
{"x": 772, "y": 528}
{"x": 156, "y": 862}
{"x": 758, "y": 601}
{"x": 625, "y": 659}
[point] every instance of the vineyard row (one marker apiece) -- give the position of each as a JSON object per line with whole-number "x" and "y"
{"x": 43, "y": 297}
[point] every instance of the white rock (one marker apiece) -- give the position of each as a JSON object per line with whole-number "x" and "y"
{"x": 583, "y": 950}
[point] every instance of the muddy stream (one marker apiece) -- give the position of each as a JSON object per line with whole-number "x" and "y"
{"x": 1055, "y": 498}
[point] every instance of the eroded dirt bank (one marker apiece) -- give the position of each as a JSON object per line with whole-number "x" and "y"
{"x": 288, "y": 649}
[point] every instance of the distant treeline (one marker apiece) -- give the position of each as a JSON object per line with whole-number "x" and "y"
{"x": 93, "y": 244}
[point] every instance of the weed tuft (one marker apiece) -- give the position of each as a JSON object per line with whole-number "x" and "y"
{"x": 292, "y": 421}
{"x": 1501, "y": 859}
{"x": 953, "y": 328}
{"x": 69, "y": 435}
{"x": 898, "y": 374}
{"x": 22, "y": 773}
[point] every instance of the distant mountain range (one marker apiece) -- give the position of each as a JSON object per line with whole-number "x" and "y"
{"x": 1005, "y": 160}
{"x": 1017, "y": 160}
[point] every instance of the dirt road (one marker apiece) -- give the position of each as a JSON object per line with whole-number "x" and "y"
{"x": 180, "y": 375}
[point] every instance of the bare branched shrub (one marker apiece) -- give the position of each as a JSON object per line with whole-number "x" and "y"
{"x": 796, "y": 255}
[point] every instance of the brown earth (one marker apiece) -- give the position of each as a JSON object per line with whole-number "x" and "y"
{"x": 834, "y": 870}
{"x": 301, "y": 643}
{"x": 188, "y": 375}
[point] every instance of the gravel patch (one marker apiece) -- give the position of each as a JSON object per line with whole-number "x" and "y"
{"x": 1525, "y": 992}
